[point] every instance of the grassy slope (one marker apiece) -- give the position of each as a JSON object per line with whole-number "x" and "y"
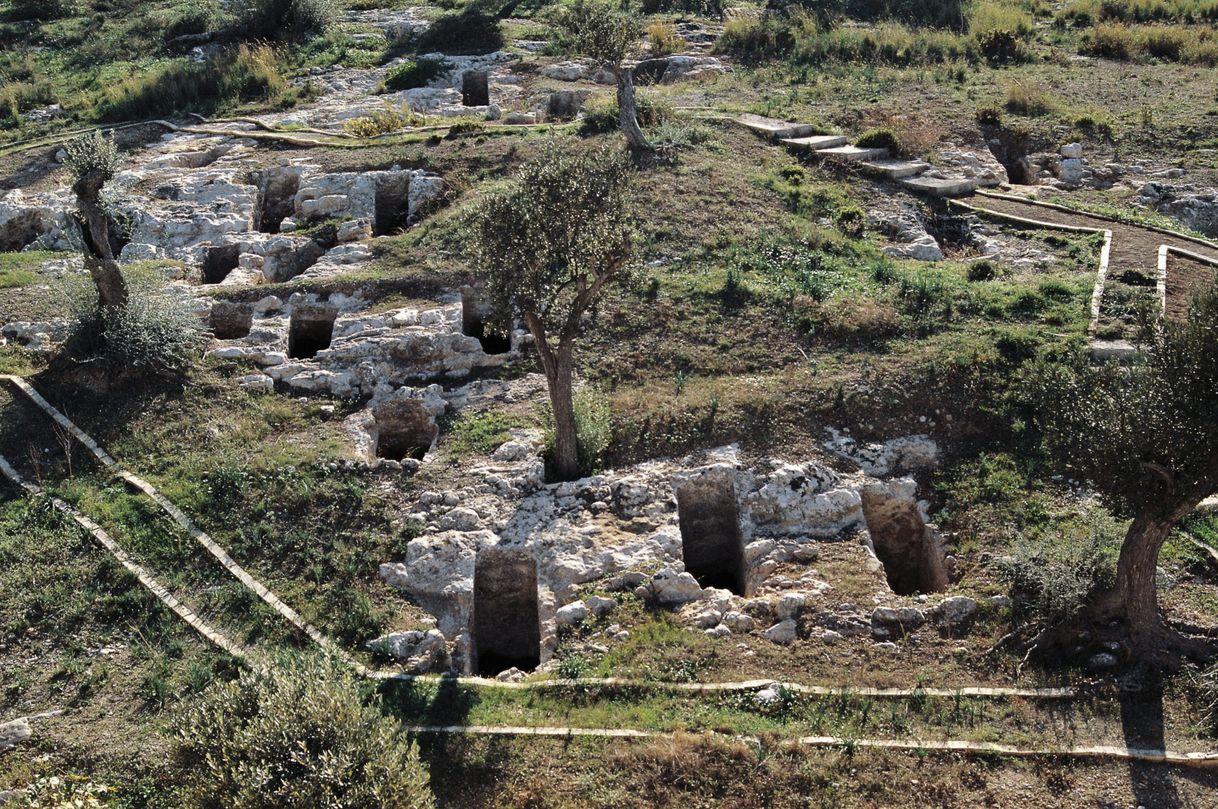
{"x": 813, "y": 328}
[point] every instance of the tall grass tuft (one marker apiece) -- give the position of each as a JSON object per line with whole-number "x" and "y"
{"x": 246, "y": 73}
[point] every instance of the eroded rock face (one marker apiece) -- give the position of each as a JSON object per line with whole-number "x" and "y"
{"x": 908, "y": 233}
{"x": 1192, "y": 206}
{"x": 904, "y": 454}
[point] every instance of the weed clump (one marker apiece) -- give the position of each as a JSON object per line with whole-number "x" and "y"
{"x": 285, "y": 19}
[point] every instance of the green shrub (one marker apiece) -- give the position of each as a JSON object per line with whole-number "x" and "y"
{"x": 154, "y": 333}
{"x": 409, "y": 75}
{"x": 593, "y": 428}
{"x": 982, "y": 271}
{"x": 385, "y": 120}
{"x": 469, "y": 32}
{"x": 1053, "y": 577}
{"x": 91, "y": 152}
{"x": 989, "y": 115}
{"x": 1028, "y": 98}
{"x": 851, "y": 220}
{"x": 756, "y": 39}
{"x": 296, "y": 735}
{"x": 664, "y": 39}
{"x": 285, "y": 19}
{"x": 183, "y": 19}
{"x": 878, "y": 139}
{"x": 1110, "y": 41}
{"x": 710, "y": 8}
{"x": 1000, "y": 47}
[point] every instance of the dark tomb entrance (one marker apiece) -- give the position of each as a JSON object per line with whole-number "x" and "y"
{"x": 711, "y": 542}
{"x": 218, "y": 262}
{"x": 310, "y": 331}
{"x": 231, "y": 321}
{"x": 506, "y": 625}
{"x": 905, "y": 544}
{"x": 475, "y": 88}
{"x": 473, "y": 324}
{"x": 403, "y": 430}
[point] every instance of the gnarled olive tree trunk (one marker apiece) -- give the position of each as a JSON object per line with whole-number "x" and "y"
{"x": 95, "y": 233}
{"x": 628, "y": 115}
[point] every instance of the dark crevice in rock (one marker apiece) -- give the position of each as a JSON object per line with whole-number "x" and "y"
{"x": 908, "y": 547}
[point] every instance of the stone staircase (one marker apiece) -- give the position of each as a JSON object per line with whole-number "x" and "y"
{"x": 915, "y": 175}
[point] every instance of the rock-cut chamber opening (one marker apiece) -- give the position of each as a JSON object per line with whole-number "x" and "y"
{"x": 218, "y": 262}
{"x": 506, "y": 624}
{"x": 20, "y": 232}
{"x": 392, "y": 204}
{"x": 403, "y": 430}
{"x": 908, "y": 548}
{"x": 712, "y": 544}
{"x": 276, "y": 197}
{"x": 231, "y": 321}
{"x": 475, "y": 88}
{"x": 473, "y": 324}
{"x": 311, "y": 330}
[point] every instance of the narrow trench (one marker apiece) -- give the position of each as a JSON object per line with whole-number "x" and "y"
{"x": 506, "y": 623}
{"x": 231, "y": 321}
{"x": 907, "y": 547}
{"x": 310, "y": 330}
{"x": 403, "y": 430}
{"x": 1011, "y": 149}
{"x": 473, "y": 324}
{"x": 218, "y": 262}
{"x": 712, "y": 545}
{"x": 287, "y": 265}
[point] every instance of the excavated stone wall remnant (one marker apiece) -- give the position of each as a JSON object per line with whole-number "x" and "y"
{"x": 712, "y": 543}
{"x": 402, "y": 429}
{"x": 231, "y": 321}
{"x": 473, "y": 324}
{"x": 218, "y": 262}
{"x": 906, "y": 545}
{"x": 310, "y": 330}
{"x": 475, "y": 88}
{"x": 506, "y": 625}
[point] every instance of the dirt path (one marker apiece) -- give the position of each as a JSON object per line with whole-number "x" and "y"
{"x": 1133, "y": 263}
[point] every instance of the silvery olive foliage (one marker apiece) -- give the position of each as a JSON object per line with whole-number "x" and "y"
{"x": 296, "y": 734}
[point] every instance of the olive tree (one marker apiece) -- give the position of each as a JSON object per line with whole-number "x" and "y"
{"x": 545, "y": 247}
{"x": 609, "y": 36}
{"x": 1145, "y": 436}
{"x": 93, "y": 160}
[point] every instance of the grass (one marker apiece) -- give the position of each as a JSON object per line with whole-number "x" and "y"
{"x": 20, "y": 269}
